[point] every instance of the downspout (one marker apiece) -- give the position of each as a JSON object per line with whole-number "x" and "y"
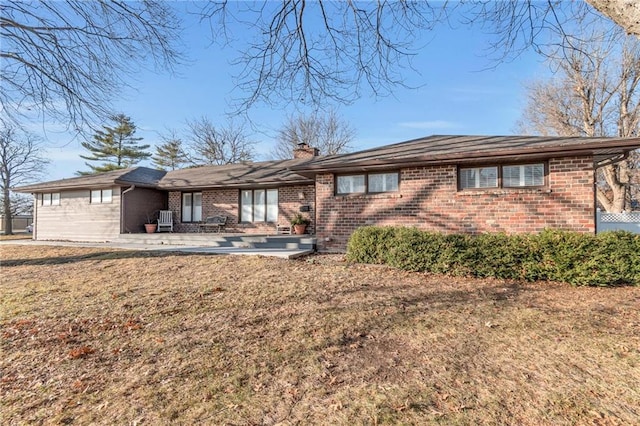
{"x": 122, "y": 206}
{"x": 595, "y": 202}
{"x": 34, "y": 229}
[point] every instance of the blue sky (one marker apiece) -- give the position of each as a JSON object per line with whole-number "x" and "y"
{"x": 462, "y": 92}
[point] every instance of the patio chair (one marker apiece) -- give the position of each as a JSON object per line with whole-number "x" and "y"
{"x": 165, "y": 220}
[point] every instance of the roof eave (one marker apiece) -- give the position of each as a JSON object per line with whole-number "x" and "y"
{"x": 471, "y": 157}
{"x": 37, "y": 189}
{"x": 267, "y": 184}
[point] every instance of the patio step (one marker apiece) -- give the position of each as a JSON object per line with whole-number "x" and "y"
{"x": 288, "y": 242}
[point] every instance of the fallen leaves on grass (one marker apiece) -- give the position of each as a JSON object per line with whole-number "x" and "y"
{"x": 169, "y": 338}
{"x": 80, "y": 352}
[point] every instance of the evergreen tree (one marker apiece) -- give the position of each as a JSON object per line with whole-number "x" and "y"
{"x": 169, "y": 155}
{"x": 116, "y": 147}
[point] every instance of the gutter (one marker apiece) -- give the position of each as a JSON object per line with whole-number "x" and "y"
{"x": 612, "y": 160}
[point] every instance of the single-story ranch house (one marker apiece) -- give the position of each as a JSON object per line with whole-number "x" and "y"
{"x": 468, "y": 184}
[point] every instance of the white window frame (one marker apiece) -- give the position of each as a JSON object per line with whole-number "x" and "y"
{"x": 190, "y": 210}
{"x": 101, "y": 196}
{"x": 50, "y": 199}
{"x": 259, "y": 205}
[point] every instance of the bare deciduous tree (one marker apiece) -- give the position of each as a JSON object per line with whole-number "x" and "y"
{"x": 218, "y": 145}
{"x": 66, "y": 60}
{"x": 329, "y": 133}
{"x": 595, "y": 92}
{"x": 315, "y": 52}
{"x": 21, "y": 161}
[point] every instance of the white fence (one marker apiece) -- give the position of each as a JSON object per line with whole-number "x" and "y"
{"x": 618, "y": 222}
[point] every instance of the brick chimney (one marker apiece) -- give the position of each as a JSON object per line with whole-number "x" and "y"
{"x": 305, "y": 151}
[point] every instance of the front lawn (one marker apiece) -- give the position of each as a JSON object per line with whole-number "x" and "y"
{"x": 121, "y": 337}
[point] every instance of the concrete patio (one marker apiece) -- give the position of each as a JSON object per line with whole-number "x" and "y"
{"x": 283, "y": 246}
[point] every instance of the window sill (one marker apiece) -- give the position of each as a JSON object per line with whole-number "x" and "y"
{"x": 381, "y": 195}
{"x": 501, "y": 191}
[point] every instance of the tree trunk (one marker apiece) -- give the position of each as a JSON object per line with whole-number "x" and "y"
{"x": 616, "y": 202}
{"x": 8, "y": 223}
{"x": 623, "y": 12}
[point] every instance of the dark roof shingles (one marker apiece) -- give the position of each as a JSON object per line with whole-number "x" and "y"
{"x": 234, "y": 175}
{"x": 461, "y": 148}
{"x": 141, "y": 176}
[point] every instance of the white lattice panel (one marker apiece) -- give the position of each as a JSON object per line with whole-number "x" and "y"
{"x": 631, "y": 217}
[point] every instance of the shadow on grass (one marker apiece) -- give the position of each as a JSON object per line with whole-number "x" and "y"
{"x": 106, "y": 255}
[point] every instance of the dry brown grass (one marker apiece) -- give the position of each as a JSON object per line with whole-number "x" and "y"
{"x": 17, "y": 236}
{"x": 122, "y": 337}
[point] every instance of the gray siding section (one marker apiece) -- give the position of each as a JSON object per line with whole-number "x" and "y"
{"x": 76, "y": 219}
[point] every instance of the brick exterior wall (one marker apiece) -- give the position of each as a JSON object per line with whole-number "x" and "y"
{"x": 428, "y": 198}
{"x": 225, "y": 202}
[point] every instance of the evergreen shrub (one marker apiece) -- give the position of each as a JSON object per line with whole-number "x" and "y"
{"x": 606, "y": 259}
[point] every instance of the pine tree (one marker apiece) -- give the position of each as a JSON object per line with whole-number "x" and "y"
{"x": 170, "y": 155}
{"x": 116, "y": 147}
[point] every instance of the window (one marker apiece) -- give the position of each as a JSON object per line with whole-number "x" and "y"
{"x": 507, "y": 176}
{"x": 383, "y": 182}
{"x": 350, "y": 184}
{"x": 367, "y": 183}
{"x": 101, "y": 196}
{"x": 192, "y": 206}
{"x": 259, "y": 205}
{"x": 50, "y": 199}
{"x": 523, "y": 175}
{"x": 479, "y": 177}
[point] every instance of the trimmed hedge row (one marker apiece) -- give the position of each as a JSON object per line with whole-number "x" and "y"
{"x": 606, "y": 259}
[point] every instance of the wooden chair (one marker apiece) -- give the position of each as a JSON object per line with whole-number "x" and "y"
{"x": 165, "y": 220}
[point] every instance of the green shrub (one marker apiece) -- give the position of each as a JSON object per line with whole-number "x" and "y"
{"x": 610, "y": 258}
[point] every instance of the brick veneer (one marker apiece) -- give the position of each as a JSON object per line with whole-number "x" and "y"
{"x": 225, "y": 202}
{"x": 428, "y": 198}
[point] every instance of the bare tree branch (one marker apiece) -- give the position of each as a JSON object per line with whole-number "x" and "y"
{"x": 67, "y": 60}
{"x": 328, "y": 133}
{"x": 21, "y": 162}
{"x": 218, "y": 145}
{"x": 595, "y": 93}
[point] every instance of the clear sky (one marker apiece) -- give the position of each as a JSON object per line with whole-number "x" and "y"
{"x": 463, "y": 92}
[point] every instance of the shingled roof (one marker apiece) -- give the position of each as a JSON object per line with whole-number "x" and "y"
{"x": 239, "y": 175}
{"x": 139, "y": 176}
{"x": 264, "y": 173}
{"x": 468, "y": 149}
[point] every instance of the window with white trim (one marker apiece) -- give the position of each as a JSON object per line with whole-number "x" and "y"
{"x": 101, "y": 196}
{"x": 367, "y": 183}
{"x": 50, "y": 199}
{"x": 523, "y": 175}
{"x": 259, "y": 205}
{"x": 191, "y": 207}
{"x": 479, "y": 177}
